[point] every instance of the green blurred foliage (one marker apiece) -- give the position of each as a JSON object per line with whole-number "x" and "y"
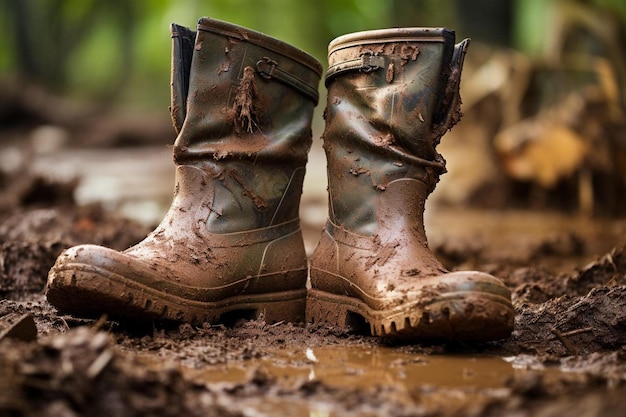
{"x": 535, "y": 19}
{"x": 119, "y": 50}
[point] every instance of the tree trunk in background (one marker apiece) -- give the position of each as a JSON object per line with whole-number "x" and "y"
{"x": 489, "y": 21}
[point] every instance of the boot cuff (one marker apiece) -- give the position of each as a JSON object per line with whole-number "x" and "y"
{"x": 366, "y": 51}
{"x": 248, "y": 35}
{"x": 369, "y": 37}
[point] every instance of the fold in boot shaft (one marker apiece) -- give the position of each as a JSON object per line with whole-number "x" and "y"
{"x": 242, "y": 103}
{"x": 405, "y": 80}
{"x": 248, "y": 94}
{"x": 248, "y": 123}
{"x": 392, "y": 94}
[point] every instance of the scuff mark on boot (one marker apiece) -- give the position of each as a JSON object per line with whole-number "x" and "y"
{"x": 220, "y": 154}
{"x": 211, "y": 208}
{"x": 244, "y": 107}
{"x": 231, "y": 42}
{"x": 390, "y": 70}
{"x": 224, "y": 66}
{"x": 385, "y": 140}
{"x": 358, "y": 171}
{"x": 408, "y": 53}
{"x": 384, "y": 252}
{"x": 243, "y": 33}
{"x": 259, "y": 203}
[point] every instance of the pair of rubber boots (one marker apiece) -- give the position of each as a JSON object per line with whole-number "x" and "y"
{"x": 242, "y": 104}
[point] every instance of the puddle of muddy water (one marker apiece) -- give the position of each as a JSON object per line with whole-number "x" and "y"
{"x": 432, "y": 383}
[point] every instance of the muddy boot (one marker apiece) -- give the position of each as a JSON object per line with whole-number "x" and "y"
{"x": 231, "y": 241}
{"x": 392, "y": 94}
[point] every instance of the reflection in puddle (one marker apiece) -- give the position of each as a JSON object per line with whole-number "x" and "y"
{"x": 367, "y": 367}
{"x": 430, "y": 382}
{"x": 359, "y": 367}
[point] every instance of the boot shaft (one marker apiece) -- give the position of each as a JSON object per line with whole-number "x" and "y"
{"x": 392, "y": 94}
{"x": 248, "y": 95}
{"x": 405, "y": 82}
{"x": 230, "y": 243}
{"x": 243, "y": 106}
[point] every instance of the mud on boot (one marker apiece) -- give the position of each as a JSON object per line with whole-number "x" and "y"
{"x": 392, "y": 94}
{"x": 242, "y": 104}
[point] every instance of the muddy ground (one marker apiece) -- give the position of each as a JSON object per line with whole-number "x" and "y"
{"x": 566, "y": 356}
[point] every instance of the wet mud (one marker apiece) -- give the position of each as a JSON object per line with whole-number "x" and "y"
{"x": 566, "y": 355}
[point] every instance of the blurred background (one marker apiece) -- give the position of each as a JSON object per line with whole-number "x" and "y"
{"x": 84, "y": 95}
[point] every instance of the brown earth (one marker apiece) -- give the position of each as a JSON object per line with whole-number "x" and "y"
{"x": 565, "y": 356}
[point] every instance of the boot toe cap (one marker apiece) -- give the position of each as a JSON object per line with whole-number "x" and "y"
{"x": 82, "y": 280}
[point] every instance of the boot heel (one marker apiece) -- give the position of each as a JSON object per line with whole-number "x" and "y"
{"x": 321, "y": 312}
{"x": 289, "y": 311}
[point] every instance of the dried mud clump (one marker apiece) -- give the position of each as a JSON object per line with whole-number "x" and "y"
{"x": 571, "y": 325}
{"x": 574, "y": 313}
{"x": 81, "y": 373}
{"x": 35, "y": 228}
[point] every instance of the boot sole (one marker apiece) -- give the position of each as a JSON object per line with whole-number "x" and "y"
{"x": 469, "y": 316}
{"x": 90, "y": 294}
